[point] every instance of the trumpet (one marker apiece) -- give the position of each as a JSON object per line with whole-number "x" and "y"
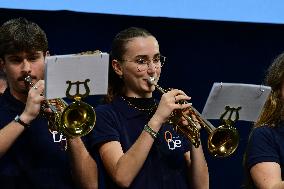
{"x": 73, "y": 120}
{"x": 222, "y": 141}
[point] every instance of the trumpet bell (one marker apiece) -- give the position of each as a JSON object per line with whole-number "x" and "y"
{"x": 78, "y": 119}
{"x": 223, "y": 141}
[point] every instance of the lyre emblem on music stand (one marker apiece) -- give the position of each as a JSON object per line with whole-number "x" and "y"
{"x": 78, "y": 94}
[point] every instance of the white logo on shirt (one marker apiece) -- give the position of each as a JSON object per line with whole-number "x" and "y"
{"x": 173, "y": 142}
{"x": 58, "y": 137}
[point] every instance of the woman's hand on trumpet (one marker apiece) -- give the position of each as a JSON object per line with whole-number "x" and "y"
{"x": 187, "y": 112}
{"x": 169, "y": 103}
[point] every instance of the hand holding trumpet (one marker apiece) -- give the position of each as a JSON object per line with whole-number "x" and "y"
{"x": 33, "y": 103}
{"x": 169, "y": 103}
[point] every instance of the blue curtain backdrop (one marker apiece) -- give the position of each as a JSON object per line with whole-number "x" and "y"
{"x": 198, "y": 53}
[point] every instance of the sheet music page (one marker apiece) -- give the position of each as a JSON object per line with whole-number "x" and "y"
{"x": 249, "y": 97}
{"x": 73, "y": 68}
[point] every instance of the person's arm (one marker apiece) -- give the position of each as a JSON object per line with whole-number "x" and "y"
{"x": 262, "y": 157}
{"x": 123, "y": 167}
{"x": 267, "y": 175}
{"x": 10, "y": 132}
{"x": 8, "y": 136}
{"x": 197, "y": 168}
{"x": 84, "y": 167}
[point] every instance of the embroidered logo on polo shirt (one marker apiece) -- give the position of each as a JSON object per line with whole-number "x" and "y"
{"x": 58, "y": 137}
{"x": 173, "y": 141}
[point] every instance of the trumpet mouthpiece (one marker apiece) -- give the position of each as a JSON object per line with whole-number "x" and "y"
{"x": 28, "y": 81}
{"x": 151, "y": 80}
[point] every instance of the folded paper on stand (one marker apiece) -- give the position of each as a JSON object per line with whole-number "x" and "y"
{"x": 251, "y": 98}
{"x": 76, "y": 67}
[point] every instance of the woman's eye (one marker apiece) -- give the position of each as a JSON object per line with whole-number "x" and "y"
{"x": 141, "y": 61}
{"x": 156, "y": 60}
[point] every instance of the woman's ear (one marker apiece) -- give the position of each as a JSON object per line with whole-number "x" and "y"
{"x": 117, "y": 67}
{"x": 47, "y": 53}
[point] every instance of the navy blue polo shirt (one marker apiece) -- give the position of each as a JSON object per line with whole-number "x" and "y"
{"x": 165, "y": 166}
{"x": 34, "y": 160}
{"x": 266, "y": 144}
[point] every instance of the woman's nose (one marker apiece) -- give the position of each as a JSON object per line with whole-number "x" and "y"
{"x": 151, "y": 67}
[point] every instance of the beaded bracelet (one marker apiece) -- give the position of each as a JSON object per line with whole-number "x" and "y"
{"x": 150, "y": 131}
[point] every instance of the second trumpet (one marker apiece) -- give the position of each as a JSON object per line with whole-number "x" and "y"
{"x": 222, "y": 141}
{"x": 76, "y": 119}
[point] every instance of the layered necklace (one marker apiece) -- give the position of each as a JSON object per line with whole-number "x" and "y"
{"x": 147, "y": 105}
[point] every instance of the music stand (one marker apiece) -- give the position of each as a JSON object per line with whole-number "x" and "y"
{"x": 247, "y": 99}
{"x": 74, "y": 72}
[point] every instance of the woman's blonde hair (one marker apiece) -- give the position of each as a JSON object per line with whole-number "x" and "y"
{"x": 272, "y": 112}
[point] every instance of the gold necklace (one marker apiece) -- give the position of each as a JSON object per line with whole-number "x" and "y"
{"x": 153, "y": 107}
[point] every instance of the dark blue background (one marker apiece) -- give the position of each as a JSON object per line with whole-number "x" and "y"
{"x": 198, "y": 52}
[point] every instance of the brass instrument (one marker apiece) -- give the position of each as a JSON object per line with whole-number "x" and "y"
{"x": 75, "y": 119}
{"x": 222, "y": 141}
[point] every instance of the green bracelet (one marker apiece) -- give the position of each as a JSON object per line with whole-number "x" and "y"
{"x": 150, "y": 131}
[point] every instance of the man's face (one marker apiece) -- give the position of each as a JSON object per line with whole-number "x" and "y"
{"x": 17, "y": 66}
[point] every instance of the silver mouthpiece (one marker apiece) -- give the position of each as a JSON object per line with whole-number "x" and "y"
{"x": 151, "y": 80}
{"x": 29, "y": 81}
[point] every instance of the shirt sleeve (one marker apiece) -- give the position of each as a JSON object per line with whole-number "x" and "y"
{"x": 105, "y": 128}
{"x": 262, "y": 147}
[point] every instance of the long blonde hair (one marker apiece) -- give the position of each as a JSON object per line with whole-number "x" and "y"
{"x": 272, "y": 112}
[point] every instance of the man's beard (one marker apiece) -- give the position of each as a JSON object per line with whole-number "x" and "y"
{"x": 24, "y": 91}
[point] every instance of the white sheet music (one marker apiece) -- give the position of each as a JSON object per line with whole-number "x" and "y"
{"x": 62, "y": 68}
{"x": 249, "y": 97}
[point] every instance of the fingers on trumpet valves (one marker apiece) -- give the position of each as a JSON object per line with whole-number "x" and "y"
{"x": 40, "y": 93}
{"x": 182, "y": 101}
{"x": 39, "y": 86}
{"x": 183, "y": 106}
{"x": 37, "y": 90}
{"x": 179, "y": 95}
{"x": 177, "y": 99}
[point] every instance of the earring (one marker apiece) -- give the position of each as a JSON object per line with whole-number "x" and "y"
{"x": 121, "y": 76}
